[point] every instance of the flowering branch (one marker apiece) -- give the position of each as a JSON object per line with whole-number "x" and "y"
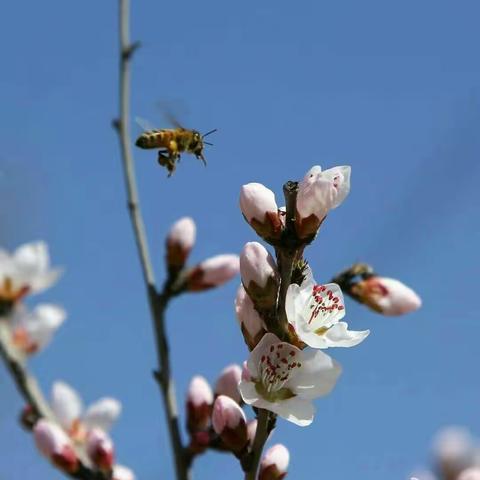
{"x": 28, "y": 387}
{"x": 157, "y": 302}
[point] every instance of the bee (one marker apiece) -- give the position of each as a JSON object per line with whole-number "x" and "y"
{"x": 171, "y": 142}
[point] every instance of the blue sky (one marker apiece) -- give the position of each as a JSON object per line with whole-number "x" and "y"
{"x": 391, "y": 88}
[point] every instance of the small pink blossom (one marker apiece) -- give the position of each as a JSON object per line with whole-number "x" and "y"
{"x": 274, "y": 464}
{"x": 180, "y": 241}
{"x": 318, "y": 193}
{"x": 54, "y": 444}
{"x": 213, "y": 272}
{"x": 260, "y": 209}
{"x": 100, "y": 449}
{"x": 249, "y": 319}
{"x": 229, "y": 423}
{"x": 227, "y": 383}
{"x": 387, "y": 296}
{"x": 199, "y": 404}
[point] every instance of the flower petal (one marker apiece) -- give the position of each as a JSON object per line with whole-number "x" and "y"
{"x": 66, "y": 404}
{"x": 248, "y": 392}
{"x": 317, "y": 377}
{"x": 340, "y": 336}
{"x": 255, "y": 356}
{"x": 296, "y": 410}
{"x": 102, "y": 414}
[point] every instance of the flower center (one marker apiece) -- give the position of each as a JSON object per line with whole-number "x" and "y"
{"x": 10, "y": 293}
{"x": 323, "y": 303}
{"x": 276, "y": 367}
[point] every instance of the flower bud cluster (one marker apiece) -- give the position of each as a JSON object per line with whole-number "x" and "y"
{"x": 210, "y": 273}
{"x": 216, "y": 419}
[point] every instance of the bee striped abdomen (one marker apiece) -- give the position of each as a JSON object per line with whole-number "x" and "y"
{"x": 151, "y": 139}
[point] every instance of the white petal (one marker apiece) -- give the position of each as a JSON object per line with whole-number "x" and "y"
{"x": 317, "y": 377}
{"x": 32, "y": 257}
{"x": 248, "y": 392}
{"x": 343, "y": 175}
{"x": 66, "y": 404}
{"x": 43, "y": 323}
{"x": 296, "y": 410}
{"x": 256, "y": 354}
{"x": 340, "y": 336}
{"x": 293, "y": 293}
{"x": 102, "y": 414}
{"x": 45, "y": 280}
{"x": 122, "y": 473}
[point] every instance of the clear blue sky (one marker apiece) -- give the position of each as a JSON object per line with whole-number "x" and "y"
{"x": 391, "y": 88}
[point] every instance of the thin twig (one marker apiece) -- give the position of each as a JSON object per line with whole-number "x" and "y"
{"x": 28, "y": 387}
{"x": 157, "y": 303}
{"x": 261, "y": 436}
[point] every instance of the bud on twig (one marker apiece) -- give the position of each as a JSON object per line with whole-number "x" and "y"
{"x": 229, "y": 423}
{"x": 275, "y": 463}
{"x": 213, "y": 272}
{"x": 260, "y": 209}
{"x": 386, "y": 295}
{"x": 100, "y": 449}
{"x": 259, "y": 275}
{"x": 227, "y": 383}
{"x": 54, "y": 444}
{"x": 180, "y": 241}
{"x": 250, "y": 321}
{"x": 199, "y": 404}
{"x": 318, "y": 193}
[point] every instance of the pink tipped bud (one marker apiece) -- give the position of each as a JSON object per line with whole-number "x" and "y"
{"x": 180, "y": 241}
{"x": 260, "y": 209}
{"x": 199, "y": 404}
{"x": 227, "y": 383}
{"x": 229, "y": 423}
{"x": 54, "y": 444}
{"x": 122, "y": 473}
{"x": 318, "y": 193}
{"x": 470, "y": 474}
{"x": 387, "y": 296}
{"x": 100, "y": 449}
{"x": 249, "y": 319}
{"x": 213, "y": 272}
{"x": 259, "y": 275}
{"x": 275, "y": 463}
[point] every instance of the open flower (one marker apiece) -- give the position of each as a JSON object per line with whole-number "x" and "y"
{"x": 284, "y": 379}
{"x": 25, "y": 271}
{"x": 318, "y": 193}
{"x": 314, "y": 312}
{"x": 387, "y": 295}
{"x": 32, "y": 331}
{"x": 68, "y": 409}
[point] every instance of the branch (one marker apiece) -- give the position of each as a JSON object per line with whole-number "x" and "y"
{"x": 261, "y": 436}
{"x": 28, "y": 387}
{"x": 157, "y": 302}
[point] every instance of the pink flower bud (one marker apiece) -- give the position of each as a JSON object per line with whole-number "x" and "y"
{"x": 387, "y": 296}
{"x": 318, "y": 193}
{"x": 260, "y": 209}
{"x": 54, "y": 444}
{"x": 227, "y": 383}
{"x": 180, "y": 241}
{"x": 470, "y": 474}
{"x": 229, "y": 423}
{"x": 199, "y": 404}
{"x": 250, "y": 321}
{"x": 212, "y": 272}
{"x": 122, "y": 473}
{"x": 274, "y": 464}
{"x": 259, "y": 275}
{"x": 100, "y": 449}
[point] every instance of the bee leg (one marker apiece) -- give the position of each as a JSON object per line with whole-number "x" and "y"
{"x": 202, "y": 158}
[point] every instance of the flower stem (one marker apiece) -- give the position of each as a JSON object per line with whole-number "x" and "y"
{"x": 158, "y": 303}
{"x": 261, "y": 436}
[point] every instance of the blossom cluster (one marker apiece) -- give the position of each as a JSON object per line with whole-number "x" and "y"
{"x": 69, "y": 435}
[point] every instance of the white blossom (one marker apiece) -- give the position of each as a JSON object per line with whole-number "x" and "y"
{"x": 284, "y": 379}
{"x": 315, "y": 311}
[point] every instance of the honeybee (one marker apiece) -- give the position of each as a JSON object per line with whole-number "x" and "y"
{"x": 171, "y": 142}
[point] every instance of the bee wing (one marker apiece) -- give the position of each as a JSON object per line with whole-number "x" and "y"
{"x": 144, "y": 124}
{"x": 167, "y": 109}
